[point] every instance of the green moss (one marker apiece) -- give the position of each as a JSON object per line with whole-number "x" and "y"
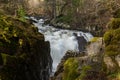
{"x": 112, "y": 39}
{"x": 108, "y": 37}
{"x": 84, "y": 72}
{"x": 116, "y": 35}
{"x": 4, "y": 56}
{"x": 14, "y": 33}
{"x": 21, "y": 14}
{"x": 94, "y": 39}
{"x": 114, "y": 23}
{"x": 118, "y": 76}
{"x": 115, "y": 75}
{"x": 12, "y": 64}
{"x": 70, "y": 69}
{"x": 112, "y": 50}
{"x": 5, "y": 38}
{"x": 20, "y": 42}
{"x": 112, "y": 46}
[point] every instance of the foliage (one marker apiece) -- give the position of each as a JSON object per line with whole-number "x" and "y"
{"x": 108, "y": 36}
{"x": 70, "y": 69}
{"x": 116, "y": 37}
{"x": 76, "y": 3}
{"x": 13, "y": 33}
{"x": 112, "y": 42}
{"x": 112, "y": 50}
{"x": 66, "y": 19}
{"x": 8, "y": 35}
{"x": 21, "y": 13}
{"x": 115, "y": 75}
{"x": 114, "y": 23}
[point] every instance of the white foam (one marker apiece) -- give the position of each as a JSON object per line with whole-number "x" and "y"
{"x": 60, "y": 41}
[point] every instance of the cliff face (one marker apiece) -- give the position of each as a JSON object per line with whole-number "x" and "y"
{"x": 24, "y": 55}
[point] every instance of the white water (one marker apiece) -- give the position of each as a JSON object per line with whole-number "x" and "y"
{"x": 60, "y": 41}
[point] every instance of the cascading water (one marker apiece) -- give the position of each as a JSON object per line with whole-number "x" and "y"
{"x": 60, "y": 40}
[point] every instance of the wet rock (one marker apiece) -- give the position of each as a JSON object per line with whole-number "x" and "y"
{"x": 95, "y": 47}
{"x": 83, "y": 65}
{"x": 69, "y": 54}
{"x": 82, "y": 42}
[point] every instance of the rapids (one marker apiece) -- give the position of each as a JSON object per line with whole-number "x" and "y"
{"x": 61, "y": 40}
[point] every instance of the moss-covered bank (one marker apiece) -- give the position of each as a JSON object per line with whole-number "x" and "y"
{"x": 112, "y": 49}
{"x": 24, "y": 55}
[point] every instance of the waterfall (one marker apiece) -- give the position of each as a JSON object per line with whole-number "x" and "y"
{"x": 60, "y": 40}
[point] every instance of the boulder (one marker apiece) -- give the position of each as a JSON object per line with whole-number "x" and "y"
{"x": 82, "y": 65}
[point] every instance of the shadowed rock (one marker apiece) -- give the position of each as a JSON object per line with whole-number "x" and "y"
{"x": 25, "y": 53}
{"x": 81, "y": 42}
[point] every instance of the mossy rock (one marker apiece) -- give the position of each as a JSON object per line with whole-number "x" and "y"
{"x": 70, "y": 69}
{"x": 22, "y": 49}
{"x": 112, "y": 50}
{"x": 114, "y": 23}
{"x": 112, "y": 40}
{"x": 95, "y": 39}
{"x": 16, "y": 33}
{"x": 11, "y": 67}
{"x": 108, "y": 36}
{"x": 84, "y": 73}
{"x": 112, "y": 45}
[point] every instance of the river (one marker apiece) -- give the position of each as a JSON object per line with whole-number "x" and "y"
{"x": 61, "y": 40}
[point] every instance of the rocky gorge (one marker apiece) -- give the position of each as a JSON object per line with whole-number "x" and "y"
{"x": 34, "y": 53}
